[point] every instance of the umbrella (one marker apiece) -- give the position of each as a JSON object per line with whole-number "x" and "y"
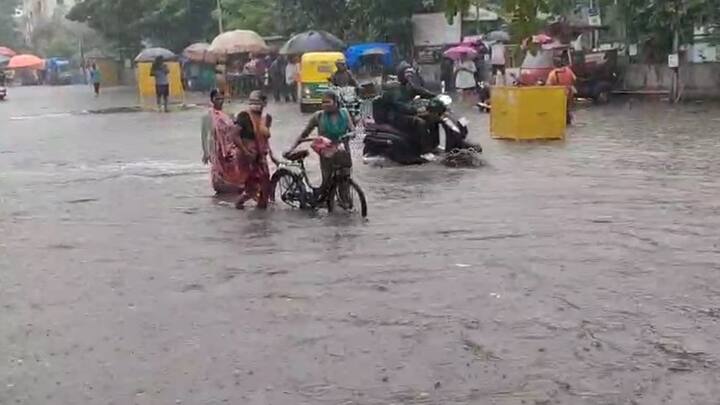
{"x": 199, "y": 52}
{"x": 5, "y": 51}
{"x": 498, "y": 36}
{"x": 473, "y": 40}
{"x": 150, "y": 54}
{"x": 541, "y": 39}
{"x": 26, "y": 61}
{"x": 460, "y": 51}
{"x": 312, "y": 41}
{"x": 238, "y": 41}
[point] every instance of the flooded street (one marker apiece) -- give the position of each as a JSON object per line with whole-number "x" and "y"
{"x": 576, "y": 272}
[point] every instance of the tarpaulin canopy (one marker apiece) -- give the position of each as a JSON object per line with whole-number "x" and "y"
{"x": 355, "y": 53}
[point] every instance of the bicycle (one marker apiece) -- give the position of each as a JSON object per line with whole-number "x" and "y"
{"x": 293, "y": 187}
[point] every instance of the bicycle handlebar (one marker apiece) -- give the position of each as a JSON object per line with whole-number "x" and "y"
{"x": 348, "y": 136}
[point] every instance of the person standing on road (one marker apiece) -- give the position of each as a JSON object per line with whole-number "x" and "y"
{"x": 497, "y": 59}
{"x": 253, "y": 143}
{"x": 160, "y": 72}
{"x": 95, "y": 78}
{"x": 563, "y": 75}
{"x": 277, "y": 78}
{"x": 465, "y": 77}
{"x": 292, "y": 73}
{"x": 219, "y": 151}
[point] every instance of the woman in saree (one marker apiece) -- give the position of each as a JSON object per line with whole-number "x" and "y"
{"x": 253, "y": 142}
{"x": 227, "y": 174}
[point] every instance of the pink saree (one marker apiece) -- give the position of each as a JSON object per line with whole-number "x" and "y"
{"x": 227, "y": 173}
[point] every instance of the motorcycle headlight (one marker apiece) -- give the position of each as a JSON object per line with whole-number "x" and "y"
{"x": 307, "y": 91}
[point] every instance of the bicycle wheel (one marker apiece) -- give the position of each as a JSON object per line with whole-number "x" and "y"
{"x": 288, "y": 188}
{"x": 347, "y": 196}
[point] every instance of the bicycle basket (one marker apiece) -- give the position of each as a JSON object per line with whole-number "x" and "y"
{"x": 341, "y": 159}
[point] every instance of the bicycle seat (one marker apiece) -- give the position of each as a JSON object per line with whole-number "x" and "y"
{"x": 297, "y": 156}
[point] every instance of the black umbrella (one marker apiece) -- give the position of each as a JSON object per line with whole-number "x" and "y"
{"x": 312, "y": 41}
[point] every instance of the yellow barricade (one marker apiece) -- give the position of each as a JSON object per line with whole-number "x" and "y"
{"x": 146, "y": 84}
{"x": 525, "y": 113}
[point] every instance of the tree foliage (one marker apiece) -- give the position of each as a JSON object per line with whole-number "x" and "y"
{"x": 9, "y": 35}
{"x": 176, "y": 23}
{"x": 169, "y": 23}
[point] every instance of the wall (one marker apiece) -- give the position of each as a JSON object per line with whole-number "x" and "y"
{"x": 700, "y": 80}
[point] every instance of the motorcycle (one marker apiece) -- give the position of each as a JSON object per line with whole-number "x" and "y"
{"x": 382, "y": 140}
{"x": 350, "y": 101}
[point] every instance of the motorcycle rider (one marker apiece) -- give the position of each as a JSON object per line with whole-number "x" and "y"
{"x": 395, "y": 108}
{"x": 343, "y": 77}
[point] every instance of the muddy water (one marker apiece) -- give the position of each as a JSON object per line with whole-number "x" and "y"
{"x": 583, "y": 272}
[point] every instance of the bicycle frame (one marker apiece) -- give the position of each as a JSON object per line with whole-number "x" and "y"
{"x": 319, "y": 192}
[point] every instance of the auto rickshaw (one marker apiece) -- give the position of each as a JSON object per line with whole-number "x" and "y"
{"x": 316, "y": 68}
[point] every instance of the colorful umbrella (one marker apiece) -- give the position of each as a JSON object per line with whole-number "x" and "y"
{"x": 312, "y": 41}
{"x": 238, "y": 41}
{"x": 460, "y": 51}
{"x": 199, "y": 52}
{"x": 542, "y": 39}
{"x": 26, "y": 62}
{"x": 473, "y": 40}
{"x": 5, "y": 51}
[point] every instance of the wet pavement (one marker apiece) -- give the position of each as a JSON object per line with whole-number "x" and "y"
{"x": 576, "y": 272}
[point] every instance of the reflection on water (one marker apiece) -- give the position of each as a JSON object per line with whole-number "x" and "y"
{"x": 565, "y": 272}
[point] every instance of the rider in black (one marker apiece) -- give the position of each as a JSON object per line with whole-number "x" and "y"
{"x": 395, "y": 108}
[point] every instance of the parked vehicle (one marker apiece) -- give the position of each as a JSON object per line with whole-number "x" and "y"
{"x": 58, "y": 71}
{"x": 316, "y": 68}
{"x": 596, "y": 71}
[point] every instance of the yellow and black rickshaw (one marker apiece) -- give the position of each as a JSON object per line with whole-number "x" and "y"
{"x": 316, "y": 68}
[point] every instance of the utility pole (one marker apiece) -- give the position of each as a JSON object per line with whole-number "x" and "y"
{"x": 680, "y": 12}
{"x": 220, "y": 16}
{"x": 675, "y": 89}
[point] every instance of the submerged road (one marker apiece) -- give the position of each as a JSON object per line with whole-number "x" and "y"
{"x": 576, "y": 272}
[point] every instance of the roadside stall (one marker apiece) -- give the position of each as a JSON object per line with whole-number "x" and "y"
{"x": 199, "y": 67}
{"x": 26, "y": 68}
{"x": 233, "y": 50}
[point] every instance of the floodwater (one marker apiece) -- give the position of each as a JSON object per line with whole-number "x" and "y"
{"x": 576, "y": 272}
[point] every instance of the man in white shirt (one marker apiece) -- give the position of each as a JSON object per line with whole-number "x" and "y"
{"x": 292, "y": 71}
{"x": 497, "y": 59}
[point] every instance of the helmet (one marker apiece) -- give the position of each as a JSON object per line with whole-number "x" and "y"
{"x": 403, "y": 68}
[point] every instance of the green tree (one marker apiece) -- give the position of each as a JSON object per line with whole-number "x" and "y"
{"x": 654, "y": 23}
{"x": 9, "y": 35}
{"x": 255, "y": 15}
{"x": 169, "y": 23}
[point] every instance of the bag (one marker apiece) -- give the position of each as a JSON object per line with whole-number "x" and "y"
{"x": 338, "y": 158}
